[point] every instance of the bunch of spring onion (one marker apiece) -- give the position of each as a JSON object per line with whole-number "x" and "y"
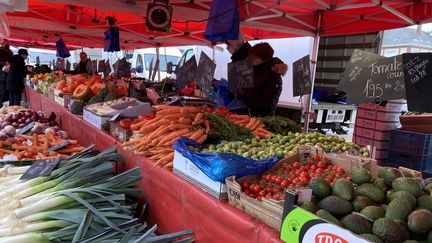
{"x": 80, "y": 201}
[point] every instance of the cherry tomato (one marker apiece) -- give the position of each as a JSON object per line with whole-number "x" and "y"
{"x": 316, "y": 157}
{"x": 273, "y": 178}
{"x": 259, "y": 198}
{"x": 348, "y": 177}
{"x": 313, "y": 167}
{"x": 282, "y": 197}
{"x": 296, "y": 165}
{"x": 262, "y": 193}
{"x": 321, "y": 165}
{"x": 276, "y": 190}
{"x": 275, "y": 197}
{"x": 319, "y": 171}
{"x": 245, "y": 185}
{"x": 269, "y": 196}
{"x": 247, "y": 191}
{"x": 278, "y": 180}
{"x": 340, "y": 170}
{"x": 257, "y": 189}
{"x": 284, "y": 183}
{"x": 330, "y": 167}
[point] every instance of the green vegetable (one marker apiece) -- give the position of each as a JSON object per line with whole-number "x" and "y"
{"x": 280, "y": 125}
{"x": 224, "y": 130}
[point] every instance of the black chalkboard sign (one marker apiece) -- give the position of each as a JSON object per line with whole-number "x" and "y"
{"x": 369, "y": 77}
{"x": 205, "y": 73}
{"x": 186, "y": 73}
{"x": 240, "y": 75}
{"x": 302, "y": 77}
{"x": 418, "y": 81}
{"x": 40, "y": 168}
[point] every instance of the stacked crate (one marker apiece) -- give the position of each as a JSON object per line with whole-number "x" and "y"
{"x": 411, "y": 150}
{"x": 373, "y": 126}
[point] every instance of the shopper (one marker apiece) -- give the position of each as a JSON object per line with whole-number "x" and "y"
{"x": 15, "y": 78}
{"x": 263, "y": 98}
{"x": 5, "y": 56}
{"x": 83, "y": 65}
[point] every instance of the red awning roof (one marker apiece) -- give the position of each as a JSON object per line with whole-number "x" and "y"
{"x": 81, "y": 23}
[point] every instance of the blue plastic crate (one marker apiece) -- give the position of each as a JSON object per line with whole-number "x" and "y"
{"x": 412, "y": 143}
{"x": 419, "y": 163}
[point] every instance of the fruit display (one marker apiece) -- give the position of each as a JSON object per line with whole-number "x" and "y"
{"x": 272, "y": 184}
{"x": 276, "y": 144}
{"x": 44, "y": 81}
{"x": 80, "y": 201}
{"x": 395, "y": 207}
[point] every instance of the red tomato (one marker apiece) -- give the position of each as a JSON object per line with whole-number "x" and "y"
{"x": 262, "y": 193}
{"x": 284, "y": 183}
{"x": 275, "y": 197}
{"x": 319, "y": 171}
{"x": 276, "y": 190}
{"x": 245, "y": 185}
{"x": 269, "y": 196}
{"x": 313, "y": 167}
{"x": 316, "y": 157}
{"x": 247, "y": 191}
{"x": 296, "y": 165}
{"x": 330, "y": 167}
{"x": 256, "y": 189}
{"x": 321, "y": 164}
{"x": 282, "y": 197}
{"x": 259, "y": 198}
{"x": 273, "y": 178}
{"x": 348, "y": 177}
{"x": 340, "y": 170}
{"x": 278, "y": 180}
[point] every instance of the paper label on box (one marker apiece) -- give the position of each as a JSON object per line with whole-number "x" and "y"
{"x": 115, "y": 116}
{"x": 9, "y": 157}
{"x": 29, "y": 143}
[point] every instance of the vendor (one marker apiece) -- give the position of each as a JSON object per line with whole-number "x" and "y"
{"x": 83, "y": 65}
{"x": 239, "y": 49}
{"x": 263, "y": 98}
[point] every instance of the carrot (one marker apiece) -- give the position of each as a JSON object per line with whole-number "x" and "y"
{"x": 163, "y": 131}
{"x": 171, "y": 117}
{"x": 207, "y": 126}
{"x": 21, "y": 147}
{"x": 25, "y": 136}
{"x": 261, "y": 135}
{"x": 35, "y": 140}
{"x": 5, "y": 151}
{"x": 197, "y": 134}
{"x": 151, "y": 127}
{"x": 198, "y": 118}
{"x": 169, "y": 165}
{"x": 202, "y": 138}
{"x": 242, "y": 122}
{"x": 50, "y": 136}
{"x": 239, "y": 117}
{"x": 179, "y": 126}
{"x": 73, "y": 142}
{"x": 256, "y": 124}
{"x": 174, "y": 135}
{"x": 185, "y": 121}
{"x": 251, "y": 122}
{"x": 70, "y": 150}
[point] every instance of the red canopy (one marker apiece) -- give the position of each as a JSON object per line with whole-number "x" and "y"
{"x": 81, "y": 23}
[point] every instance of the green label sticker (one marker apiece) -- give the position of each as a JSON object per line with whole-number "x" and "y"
{"x": 292, "y": 224}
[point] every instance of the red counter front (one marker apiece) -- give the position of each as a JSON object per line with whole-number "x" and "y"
{"x": 173, "y": 203}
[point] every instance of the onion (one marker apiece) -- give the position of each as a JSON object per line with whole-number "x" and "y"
{"x": 3, "y": 136}
{"x": 14, "y": 117}
{"x": 9, "y": 130}
{"x": 15, "y": 124}
{"x": 21, "y": 125}
{"x": 50, "y": 130}
{"x": 4, "y": 124}
{"x": 63, "y": 134}
{"x": 29, "y": 113}
{"x": 27, "y": 121}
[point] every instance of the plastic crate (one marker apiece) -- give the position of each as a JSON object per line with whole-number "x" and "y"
{"x": 411, "y": 143}
{"x": 420, "y": 163}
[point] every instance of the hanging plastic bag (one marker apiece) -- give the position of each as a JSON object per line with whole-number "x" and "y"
{"x": 219, "y": 166}
{"x": 224, "y": 21}
{"x": 62, "y": 50}
{"x": 112, "y": 40}
{"x": 237, "y": 104}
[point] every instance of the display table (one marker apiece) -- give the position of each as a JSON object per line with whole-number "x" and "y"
{"x": 173, "y": 203}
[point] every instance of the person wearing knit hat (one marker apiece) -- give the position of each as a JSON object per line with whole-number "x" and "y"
{"x": 239, "y": 49}
{"x": 15, "y": 78}
{"x": 263, "y": 98}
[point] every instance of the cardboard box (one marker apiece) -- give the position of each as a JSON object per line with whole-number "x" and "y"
{"x": 119, "y": 132}
{"x": 94, "y": 119}
{"x": 370, "y": 133}
{"x": 391, "y": 106}
{"x": 184, "y": 168}
{"x": 271, "y": 211}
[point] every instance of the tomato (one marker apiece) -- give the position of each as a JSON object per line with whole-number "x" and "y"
{"x": 278, "y": 180}
{"x": 276, "y": 190}
{"x": 252, "y": 195}
{"x": 319, "y": 171}
{"x": 256, "y": 189}
{"x": 247, "y": 191}
{"x": 259, "y": 198}
{"x": 284, "y": 183}
{"x": 316, "y": 157}
{"x": 296, "y": 165}
{"x": 282, "y": 197}
{"x": 325, "y": 159}
{"x": 269, "y": 196}
{"x": 313, "y": 167}
{"x": 348, "y": 177}
{"x": 287, "y": 171}
{"x": 262, "y": 193}
{"x": 275, "y": 197}
{"x": 245, "y": 185}
{"x": 340, "y": 170}
{"x": 273, "y": 178}
{"x": 330, "y": 167}
{"x": 321, "y": 165}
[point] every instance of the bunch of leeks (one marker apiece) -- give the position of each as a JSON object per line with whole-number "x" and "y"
{"x": 80, "y": 201}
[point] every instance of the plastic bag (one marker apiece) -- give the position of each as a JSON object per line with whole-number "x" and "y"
{"x": 219, "y": 166}
{"x": 222, "y": 97}
{"x": 112, "y": 40}
{"x": 62, "y": 50}
{"x": 224, "y": 21}
{"x": 237, "y": 104}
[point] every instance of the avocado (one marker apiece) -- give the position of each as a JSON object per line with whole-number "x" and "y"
{"x": 357, "y": 223}
{"x": 371, "y": 238}
{"x": 320, "y": 188}
{"x": 379, "y": 182}
{"x": 309, "y": 206}
{"x": 429, "y": 188}
{"x": 343, "y": 189}
{"x": 425, "y": 202}
{"x": 403, "y": 195}
{"x": 336, "y": 206}
{"x": 111, "y": 96}
{"x": 398, "y": 209}
{"x": 373, "y": 212}
{"x": 77, "y": 107}
{"x": 360, "y": 202}
{"x": 360, "y": 176}
{"x": 408, "y": 184}
{"x": 372, "y": 192}
{"x": 404, "y": 233}
{"x": 420, "y": 221}
{"x": 328, "y": 217}
{"x": 389, "y": 174}
{"x": 387, "y": 230}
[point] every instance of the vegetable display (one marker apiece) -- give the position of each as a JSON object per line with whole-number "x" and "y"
{"x": 80, "y": 201}
{"x": 395, "y": 207}
{"x": 280, "y": 125}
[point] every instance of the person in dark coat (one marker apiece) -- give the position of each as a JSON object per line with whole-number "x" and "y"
{"x": 5, "y": 56}
{"x": 15, "y": 78}
{"x": 239, "y": 49}
{"x": 83, "y": 65}
{"x": 263, "y": 98}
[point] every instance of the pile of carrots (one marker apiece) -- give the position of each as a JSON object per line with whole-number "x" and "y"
{"x": 154, "y": 138}
{"x": 35, "y": 147}
{"x": 252, "y": 123}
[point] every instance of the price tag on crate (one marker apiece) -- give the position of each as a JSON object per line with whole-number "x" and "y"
{"x": 26, "y": 128}
{"x": 40, "y": 168}
{"x": 58, "y": 146}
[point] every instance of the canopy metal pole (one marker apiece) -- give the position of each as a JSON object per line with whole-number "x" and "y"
{"x": 158, "y": 62}
{"x": 308, "y": 100}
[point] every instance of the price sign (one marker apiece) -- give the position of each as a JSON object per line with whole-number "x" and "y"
{"x": 58, "y": 146}
{"x": 301, "y": 77}
{"x": 40, "y": 168}
{"x": 418, "y": 81}
{"x": 101, "y": 66}
{"x": 186, "y": 73}
{"x": 205, "y": 73}
{"x": 107, "y": 69}
{"x": 372, "y": 78}
{"x": 240, "y": 75}
{"x": 26, "y": 128}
